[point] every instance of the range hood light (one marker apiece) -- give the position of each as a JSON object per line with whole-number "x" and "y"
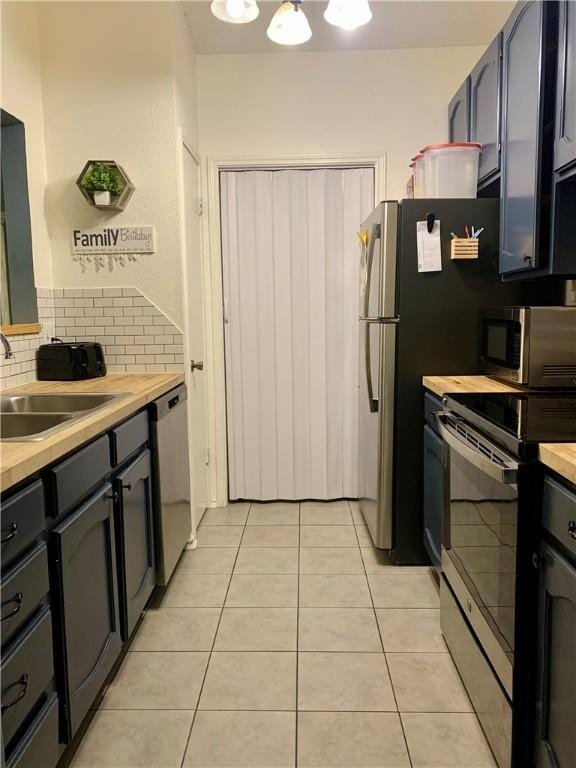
{"x": 235, "y": 11}
{"x": 289, "y": 25}
{"x": 348, "y": 14}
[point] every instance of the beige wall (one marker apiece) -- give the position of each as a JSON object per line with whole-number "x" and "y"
{"x": 309, "y": 103}
{"x": 114, "y": 88}
{"x": 21, "y": 95}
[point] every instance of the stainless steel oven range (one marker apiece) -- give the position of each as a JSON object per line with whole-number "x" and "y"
{"x": 489, "y": 582}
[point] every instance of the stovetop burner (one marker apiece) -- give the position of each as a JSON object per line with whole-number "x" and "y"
{"x": 518, "y": 419}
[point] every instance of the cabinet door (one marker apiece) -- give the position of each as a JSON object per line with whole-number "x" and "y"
{"x": 521, "y": 137}
{"x": 86, "y": 561}
{"x": 565, "y": 144}
{"x": 459, "y": 114}
{"x": 556, "y": 662}
{"x": 136, "y": 540}
{"x": 485, "y": 108}
{"x": 433, "y": 494}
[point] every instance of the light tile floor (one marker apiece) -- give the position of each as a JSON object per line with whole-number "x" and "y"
{"x": 283, "y": 641}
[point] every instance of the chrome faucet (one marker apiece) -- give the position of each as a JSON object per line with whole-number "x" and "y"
{"x": 8, "y": 353}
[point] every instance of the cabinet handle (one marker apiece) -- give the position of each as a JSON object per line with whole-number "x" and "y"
{"x": 18, "y": 598}
{"x": 112, "y": 496}
{"x": 572, "y": 528}
{"x": 127, "y": 487}
{"x": 24, "y": 683}
{"x": 12, "y": 531}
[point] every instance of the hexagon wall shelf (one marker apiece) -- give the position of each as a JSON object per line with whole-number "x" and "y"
{"x": 117, "y": 203}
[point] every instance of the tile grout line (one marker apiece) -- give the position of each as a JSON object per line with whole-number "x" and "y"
{"x": 212, "y": 648}
{"x": 384, "y": 654}
{"x": 297, "y": 712}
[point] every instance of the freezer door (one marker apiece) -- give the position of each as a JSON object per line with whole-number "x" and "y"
{"x": 376, "y": 429}
{"x": 378, "y": 268}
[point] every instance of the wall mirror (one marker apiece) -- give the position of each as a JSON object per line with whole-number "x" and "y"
{"x": 18, "y": 305}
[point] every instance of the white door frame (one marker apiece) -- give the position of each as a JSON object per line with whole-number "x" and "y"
{"x": 183, "y": 148}
{"x": 212, "y": 254}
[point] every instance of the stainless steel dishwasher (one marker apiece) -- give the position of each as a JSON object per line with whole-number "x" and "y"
{"x": 169, "y": 417}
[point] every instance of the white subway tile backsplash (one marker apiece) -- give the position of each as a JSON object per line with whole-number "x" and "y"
{"x": 134, "y": 333}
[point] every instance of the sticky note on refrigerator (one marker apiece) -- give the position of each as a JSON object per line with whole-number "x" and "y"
{"x": 428, "y": 244}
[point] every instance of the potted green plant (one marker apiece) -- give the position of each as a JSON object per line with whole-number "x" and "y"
{"x": 104, "y": 182}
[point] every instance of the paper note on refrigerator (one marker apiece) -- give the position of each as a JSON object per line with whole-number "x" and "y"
{"x": 429, "y": 250}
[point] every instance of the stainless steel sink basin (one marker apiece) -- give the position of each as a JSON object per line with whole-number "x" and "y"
{"x": 52, "y": 403}
{"x": 32, "y": 417}
{"x": 27, "y": 426}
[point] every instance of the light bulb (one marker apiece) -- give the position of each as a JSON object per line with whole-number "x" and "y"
{"x": 348, "y": 14}
{"x": 289, "y": 25}
{"x": 235, "y": 8}
{"x": 235, "y": 11}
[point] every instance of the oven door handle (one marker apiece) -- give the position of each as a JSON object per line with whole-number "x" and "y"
{"x": 504, "y": 471}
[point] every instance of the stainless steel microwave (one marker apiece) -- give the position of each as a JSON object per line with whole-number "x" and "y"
{"x": 530, "y": 346}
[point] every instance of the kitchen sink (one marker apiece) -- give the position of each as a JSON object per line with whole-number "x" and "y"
{"x": 30, "y": 426}
{"x": 52, "y": 403}
{"x": 32, "y": 417}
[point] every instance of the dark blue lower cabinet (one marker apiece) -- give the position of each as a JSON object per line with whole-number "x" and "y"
{"x": 135, "y": 538}
{"x": 89, "y": 609}
{"x": 433, "y": 494}
{"x": 556, "y": 702}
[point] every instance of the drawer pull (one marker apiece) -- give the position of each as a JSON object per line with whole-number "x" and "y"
{"x": 12, "y": 531}
{"x": 22, "y": 682}
{"x": 18, "y": 597}
{"x": 572, "y": 528}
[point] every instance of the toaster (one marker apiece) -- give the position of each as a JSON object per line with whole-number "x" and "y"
{"x": 60, "y": 361}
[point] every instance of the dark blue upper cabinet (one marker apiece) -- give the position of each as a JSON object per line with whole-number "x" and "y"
{"x": 565, "y": 133}
{"x": 526, "y": 155}
{"x": 485, "y": 83}
{"x": 459, "y": 114}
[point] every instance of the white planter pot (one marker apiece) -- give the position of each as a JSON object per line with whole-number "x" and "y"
{"x": 102, "y": 198}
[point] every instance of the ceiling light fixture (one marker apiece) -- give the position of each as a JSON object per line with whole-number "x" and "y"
{"x": 348, "y": 14}
{"x": 289, "y": 25}
{"x": 235, "y": 11}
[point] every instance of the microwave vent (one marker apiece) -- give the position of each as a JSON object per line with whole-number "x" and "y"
{"x": 554, "y": 371}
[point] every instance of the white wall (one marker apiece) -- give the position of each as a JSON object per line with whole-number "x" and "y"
{"x": 309, "y": 103}
{"x": 111, "y": 92}
{"x": 21, "y": 95}
{"x": 184, "y": 82}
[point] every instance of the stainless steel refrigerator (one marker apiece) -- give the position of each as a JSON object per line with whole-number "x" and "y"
{"x": 415, "y": 323}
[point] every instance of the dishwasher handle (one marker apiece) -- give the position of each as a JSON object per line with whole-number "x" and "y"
{"x": 168, "y": 402}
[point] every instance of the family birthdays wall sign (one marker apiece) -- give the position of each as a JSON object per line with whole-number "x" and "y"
{"x": 107, "y": 246}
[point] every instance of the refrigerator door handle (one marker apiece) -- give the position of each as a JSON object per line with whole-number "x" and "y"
{"x": 380, "y": 320}
{"x": 372, "y": 401}
{"x": 375, "y": 235}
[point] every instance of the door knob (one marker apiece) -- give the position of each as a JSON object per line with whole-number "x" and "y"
{"x": 196, "y": 366}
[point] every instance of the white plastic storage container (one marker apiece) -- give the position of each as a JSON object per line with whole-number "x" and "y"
{"x": 451, "y": 170}
{"x": 419, "y": 175}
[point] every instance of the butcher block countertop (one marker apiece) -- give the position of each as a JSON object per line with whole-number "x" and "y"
{"x": 18, "y": 460}
{"x": 443, "y": 385}
{"x": 561, "y": 457}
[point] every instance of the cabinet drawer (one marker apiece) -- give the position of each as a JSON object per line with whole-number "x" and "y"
{"x": 76, "y": 477}
{"x": 559, "y": 513}
{"x": 26, "y": 672}
{"x": 23, "y": 519}
{"x": 128, "y": 437}
{"x": 23, "y": 588}
{"x": 431, "y": 405}
{"x": 39, "y": 747}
